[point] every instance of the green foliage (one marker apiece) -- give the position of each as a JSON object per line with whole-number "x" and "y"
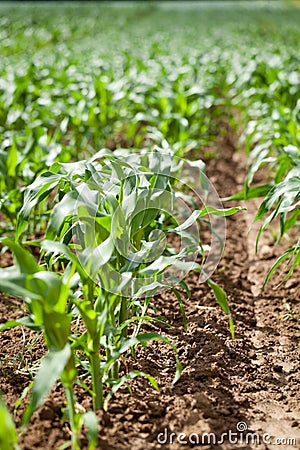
{"x": 108, "y": 230}
{"x": 269, "y": 103}
{"x": 8, "y": 433}
{"x": 104, "y": 222}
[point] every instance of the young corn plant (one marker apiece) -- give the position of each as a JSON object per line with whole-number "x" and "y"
{"x": 45, "y": 295}
{"x": 111, "y": 243}
{"x": 281, "y": 198}
{"x": 118, "y": 213}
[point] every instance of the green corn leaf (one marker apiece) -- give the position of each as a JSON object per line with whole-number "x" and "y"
{"x": 187, "y": 198}
{"x": 204, "y": 212}
{"x": 184, "y": 285}
{"x": 283, "y": 257}
{"x": 260, "y": 161}
{"x": 293, "y": 252}
{"x": 67, "y": 207}
{"x": 187, "y": 223}
{"x": 142, "y": 219}
{"x": 8, "y": 433}
{"x": 23, "y": 321}
{"x": 50, "y": 370}
{"x": 16, "y": 286}
{"x": 265, "y": 224}
{"x": 295, "y": 263}
{"x": 93, "y": 259}
{"x": 163, "y": 262}
{"x": 104, "y": 222}
{"x": 285, "y": 188}
{"x": 90, "y": 421}
{"x": 290, "y": 221}
{"x": 12, "y": 159}
{"x": 143, "y": 319}
{"x": 88, "y": 314}
{"x": 117, "y": 172}
{"x": 24, "y": 259}
{"x": 222, "y": 300}
{"x": 158, "y": 266}
{"x": 254, "y": 192}
{"x": 231, "y": 327}
{"x": 58, "y": 247}
{"x": 48, "y": 286}
{"x": 282, "y": 169}
{"x": 57, "y": 329}
{"x": 181, "y": 306}
{"x": 292, "y": 151}
{"x": 22, "y": 397}
{"x": 149, "y": 288}
{"x": 38, "y": 190}
{"x": 220, "y": 295}
{"x": 54, "y": 248}
{"x": 220, "y": 211}
{"x": 104, "y": 152}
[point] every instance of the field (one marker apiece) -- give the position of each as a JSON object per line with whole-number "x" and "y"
{"x": 149, "y": 225}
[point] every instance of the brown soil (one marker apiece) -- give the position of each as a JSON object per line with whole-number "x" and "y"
{"x": 253, "y": 379}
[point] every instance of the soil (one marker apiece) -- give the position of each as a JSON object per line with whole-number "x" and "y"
{"x": 248, "y": 384}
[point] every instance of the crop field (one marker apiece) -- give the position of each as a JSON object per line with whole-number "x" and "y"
{"x": 149, "y": 225}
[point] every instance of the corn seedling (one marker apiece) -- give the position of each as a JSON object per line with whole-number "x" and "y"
{"x": 105, "y": 255}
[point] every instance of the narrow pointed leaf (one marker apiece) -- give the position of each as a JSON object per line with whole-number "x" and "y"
{"x": 50, "y": 370}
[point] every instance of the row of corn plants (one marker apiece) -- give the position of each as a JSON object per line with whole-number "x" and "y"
{"x": 109, "y": 221}
{"x": 68, "y": 103}
{"x": 105, "y": 254}
{"x": 105, "y": 106}
{"x": 267, "y": 97}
